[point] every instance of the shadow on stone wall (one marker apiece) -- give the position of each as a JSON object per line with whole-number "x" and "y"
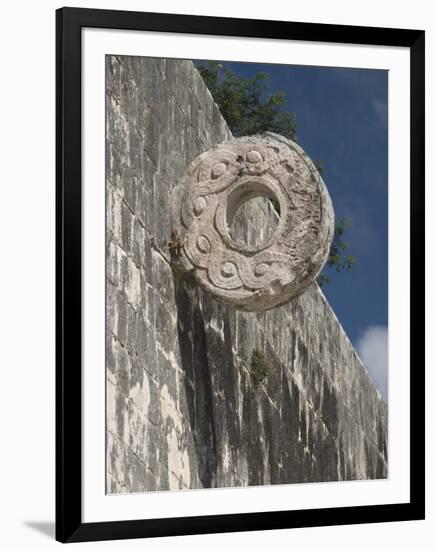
{"x": 197, "y": 380}
{"x": 264, "y": 444}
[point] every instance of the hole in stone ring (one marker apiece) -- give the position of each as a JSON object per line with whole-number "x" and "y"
{"x": 253, "y": 215}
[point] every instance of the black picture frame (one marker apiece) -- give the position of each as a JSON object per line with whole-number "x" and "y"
{"x": 69, "y": 525}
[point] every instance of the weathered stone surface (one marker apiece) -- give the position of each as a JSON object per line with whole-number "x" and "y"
{"x": 258, "y": 275}
{"x": 182, "y": 408}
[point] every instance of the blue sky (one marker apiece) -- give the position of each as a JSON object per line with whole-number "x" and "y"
{"x": 342, "y": 120}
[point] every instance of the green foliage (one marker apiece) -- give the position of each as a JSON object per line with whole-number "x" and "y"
{"x": 323, "y": 279}
{"x": 338, "y": 259}
{"x": 245, "y": 102}
{"x": 248, "y": 109}
{"x": 259, "y": 368}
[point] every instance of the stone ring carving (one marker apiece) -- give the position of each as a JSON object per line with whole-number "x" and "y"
{"x": 259, "y": 276}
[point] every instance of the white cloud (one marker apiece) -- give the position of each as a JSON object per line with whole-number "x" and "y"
{"x": 381, "y": 113}
{"x": 373, "y": 350}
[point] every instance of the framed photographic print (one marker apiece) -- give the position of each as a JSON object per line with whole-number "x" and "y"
{"x": 240, "y": 274}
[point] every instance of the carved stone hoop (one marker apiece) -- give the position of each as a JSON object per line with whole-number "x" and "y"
{"x": 204, "y": 203}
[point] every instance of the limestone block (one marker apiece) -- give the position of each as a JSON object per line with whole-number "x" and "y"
{"x": 261, "y": 275}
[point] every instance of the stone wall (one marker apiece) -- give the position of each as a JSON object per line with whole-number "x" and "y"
{"x": 183, "y": 410}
